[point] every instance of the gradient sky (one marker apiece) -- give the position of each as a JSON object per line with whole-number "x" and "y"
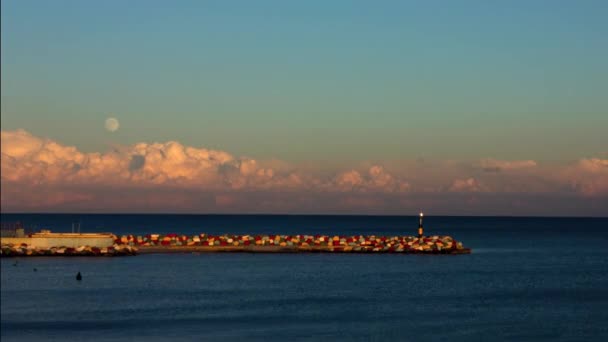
{"x": 324, "y": 85}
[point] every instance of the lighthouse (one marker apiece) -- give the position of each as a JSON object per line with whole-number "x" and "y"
{"x": 420, "y": 228}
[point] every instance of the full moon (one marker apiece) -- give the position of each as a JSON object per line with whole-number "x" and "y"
{"x": 112, "y": 124}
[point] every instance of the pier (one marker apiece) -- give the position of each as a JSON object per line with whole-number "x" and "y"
{"x": 46, "y": 243}
{"x": 204, "y": 243}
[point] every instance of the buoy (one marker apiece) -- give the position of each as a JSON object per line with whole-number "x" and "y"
{"x": 79, "y": 276}
{"x": 15, "y": 264}
{"x": 35, "y": 270}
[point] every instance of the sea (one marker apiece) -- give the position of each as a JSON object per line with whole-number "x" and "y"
{"x": 527, "y": 279}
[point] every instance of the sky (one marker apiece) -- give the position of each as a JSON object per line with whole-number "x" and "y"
{"x": 350, "y": 107}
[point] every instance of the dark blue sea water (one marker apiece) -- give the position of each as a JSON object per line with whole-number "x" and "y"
{"x": 528, "y": 279}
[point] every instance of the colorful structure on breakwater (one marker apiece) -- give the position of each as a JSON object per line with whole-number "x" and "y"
{"x": 421, "y": 244}
{"x": 294, "y": 243}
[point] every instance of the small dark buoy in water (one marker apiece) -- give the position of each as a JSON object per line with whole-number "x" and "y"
{"x": 35, "y": 269}
{"x": 79, "y": 276}
{"x": 15, "y": 264}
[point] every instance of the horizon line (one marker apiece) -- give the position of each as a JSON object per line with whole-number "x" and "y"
{"x": 293, "y": 214}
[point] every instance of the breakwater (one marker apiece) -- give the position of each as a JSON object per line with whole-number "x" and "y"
{"x": 205, "y": 243}
{"x": 12, "y": 250}
{"x": 156, "y": 243}
{"x": 45, "y": 240}
{"x": 46, "y": 243}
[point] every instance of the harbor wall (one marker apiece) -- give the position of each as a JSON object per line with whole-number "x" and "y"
{"x": 61, "y": 240}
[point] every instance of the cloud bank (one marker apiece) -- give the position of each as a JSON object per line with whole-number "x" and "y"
{"x": 40, "y": 174}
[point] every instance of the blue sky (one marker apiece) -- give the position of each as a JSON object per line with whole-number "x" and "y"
{"x": 340, "y": 80}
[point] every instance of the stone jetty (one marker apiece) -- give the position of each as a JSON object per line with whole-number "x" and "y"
{"x": 12, "y": 250}
{"x": 206, "y": 243}
{"x": 156, "y": 243}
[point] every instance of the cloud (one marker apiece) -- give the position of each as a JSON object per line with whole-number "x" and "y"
{"x": 137, "y": 162}
{"x": 494, "y": 165}
{"x": 40, "y": 174}
{"x": 375, "y": 179}
{"x": 467, "y": 185}
{"x": 349, "y": 180}
{"x": 589, "y": 176}
{"x": 594, "y": 165}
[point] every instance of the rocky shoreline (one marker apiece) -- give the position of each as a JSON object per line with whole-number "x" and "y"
{"x": 24, "y": 250}
{"x": 203, "y": 243}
